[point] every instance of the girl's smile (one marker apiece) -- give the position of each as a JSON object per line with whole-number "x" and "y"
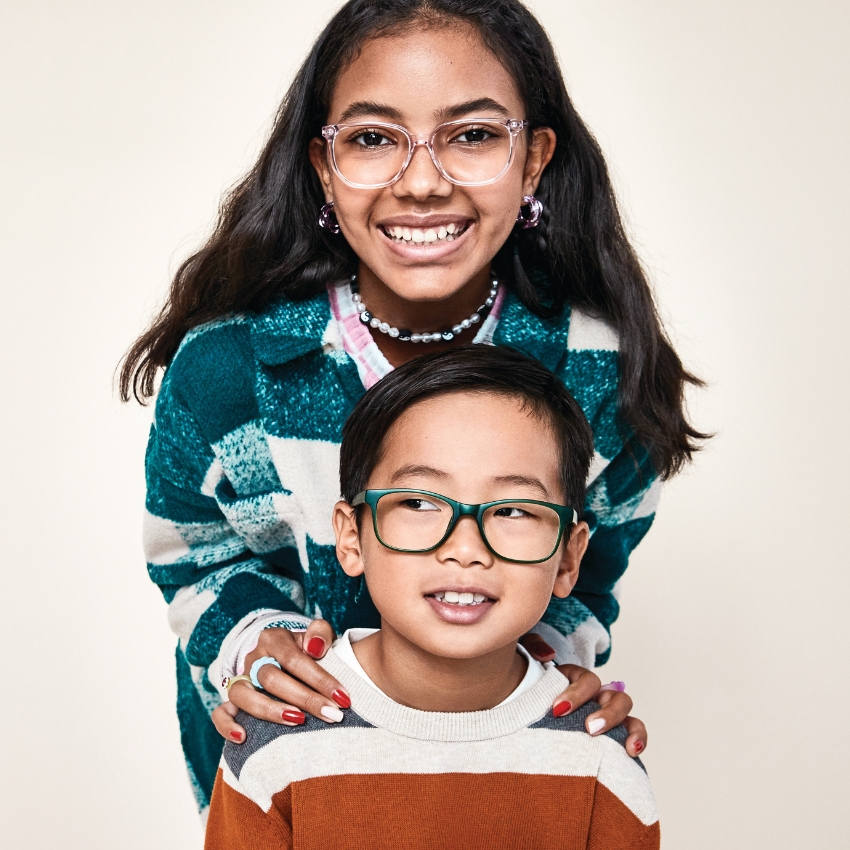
{"x": 428, "y": 238}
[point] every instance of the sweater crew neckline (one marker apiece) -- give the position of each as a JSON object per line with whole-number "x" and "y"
{"x": 379, "y": 710}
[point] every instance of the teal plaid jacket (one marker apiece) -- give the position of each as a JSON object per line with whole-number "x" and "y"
{"x": 242, "y": 474}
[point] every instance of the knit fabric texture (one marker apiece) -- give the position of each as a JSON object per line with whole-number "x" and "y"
{"x": 389, "y": 776}
{"x": 242, "y": 475}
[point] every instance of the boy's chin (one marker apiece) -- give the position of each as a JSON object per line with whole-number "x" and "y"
{"x": 460, "y": 646}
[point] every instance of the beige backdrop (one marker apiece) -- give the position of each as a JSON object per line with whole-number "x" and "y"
{"x": 726, "y": 126}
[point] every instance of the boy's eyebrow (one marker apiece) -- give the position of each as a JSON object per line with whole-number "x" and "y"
{"x": 364, "y": 108}
{"x": 415, "y": 469}
{"x": 522, "y": 481}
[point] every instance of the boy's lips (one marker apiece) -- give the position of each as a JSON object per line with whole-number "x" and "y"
{"x": 464, "y": 615}
{"x": 462, "y": 606}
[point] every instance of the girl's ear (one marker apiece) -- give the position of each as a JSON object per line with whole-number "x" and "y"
{"x": 571, "y": 559}
{"x": 319, "y": 160}
{"x": 348, "y": 551}
{"x": 541, "y": 149}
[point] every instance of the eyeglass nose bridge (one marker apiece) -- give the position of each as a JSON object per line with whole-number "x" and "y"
{"x": 426, "y": 142}
{"x": 460, "y": 511}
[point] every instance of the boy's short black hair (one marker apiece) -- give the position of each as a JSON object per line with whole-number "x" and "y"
{"x": 469, "y": 368}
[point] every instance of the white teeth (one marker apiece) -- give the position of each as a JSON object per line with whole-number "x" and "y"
{"x": 453, "y": 597}
{"x": 417, "y": 236}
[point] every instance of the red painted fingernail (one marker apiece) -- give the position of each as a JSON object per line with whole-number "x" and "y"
{"x": 542, "y": 650}
{"x": 341, "y": 698}
{"x": 235, "y": 736}
{"x": 315, "y": 647}
{"x": 638, "y": 747}
{"x": 562, "y": 708}
{"x": 292, "y": 716}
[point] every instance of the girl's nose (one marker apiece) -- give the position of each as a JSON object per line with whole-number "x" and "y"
{"x": 465, "y": 545}
{"x": 422, "y": 179}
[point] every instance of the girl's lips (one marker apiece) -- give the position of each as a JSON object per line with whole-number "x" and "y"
{"x": 464, "y": 615}
{"x": 426, "y": 251}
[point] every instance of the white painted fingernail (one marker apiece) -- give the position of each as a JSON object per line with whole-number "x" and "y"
{"x": 596, "y": 725}
{"x": 331, "y": 712}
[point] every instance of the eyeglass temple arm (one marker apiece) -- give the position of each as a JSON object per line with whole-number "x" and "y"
{"x": 360, "y": 499}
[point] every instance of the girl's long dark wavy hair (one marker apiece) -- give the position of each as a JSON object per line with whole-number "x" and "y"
{"x": 267, "y": 244}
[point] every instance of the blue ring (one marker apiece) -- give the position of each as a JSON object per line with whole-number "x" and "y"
{"x": 256, "y": 667}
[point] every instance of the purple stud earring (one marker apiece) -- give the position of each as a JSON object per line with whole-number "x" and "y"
{"x": 535, "y": 210}
{"x": 327, "y": 218}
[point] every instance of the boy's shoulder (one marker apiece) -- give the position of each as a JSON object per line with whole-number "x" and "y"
{"x": 515, "y": 756}
{"x": 375, "y": 723}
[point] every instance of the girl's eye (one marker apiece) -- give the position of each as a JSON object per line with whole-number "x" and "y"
{"x": 473, "y": 136}
{"x": 420, "y": 505}
{"x": 371, "y": 139}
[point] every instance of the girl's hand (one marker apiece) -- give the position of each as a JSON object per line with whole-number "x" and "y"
{"x": 301, "y": 683}
{"x": 585, "y": 686}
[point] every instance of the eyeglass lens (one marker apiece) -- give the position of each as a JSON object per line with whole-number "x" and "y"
{"x": 468, "y": 153}
{"x": 515, "y": 531}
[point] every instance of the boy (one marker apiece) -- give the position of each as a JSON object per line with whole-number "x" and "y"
{"x": 460, "y": 474}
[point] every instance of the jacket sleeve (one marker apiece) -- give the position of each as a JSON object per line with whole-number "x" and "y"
{"x": 619, "y": 508}
{"x": 219, "y": 560}
{"x": 622, "y": 494}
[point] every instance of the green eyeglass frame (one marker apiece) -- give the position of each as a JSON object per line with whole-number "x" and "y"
{"x": 566, "y": 515}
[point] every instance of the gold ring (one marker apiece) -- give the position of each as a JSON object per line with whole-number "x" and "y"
{"x": 232, "y": 681}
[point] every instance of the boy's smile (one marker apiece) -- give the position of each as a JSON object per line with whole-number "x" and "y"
{"x": 461, "y": 604}
{"x": 459, "y": 607}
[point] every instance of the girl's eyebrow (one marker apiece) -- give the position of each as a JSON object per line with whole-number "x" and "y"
{"x": 370, "y": 108}
{"x": 364, "y": 108}
{"x": 481, "y": 104}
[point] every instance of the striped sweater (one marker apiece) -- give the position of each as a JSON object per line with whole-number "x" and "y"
{"x": 389, "y": 776}
{"x": 242, "y": 475}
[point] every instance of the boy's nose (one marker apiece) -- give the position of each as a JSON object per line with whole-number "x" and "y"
{"x": 465, "y": 545}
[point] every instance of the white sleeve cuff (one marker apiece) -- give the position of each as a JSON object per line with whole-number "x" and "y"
{"x": 242, "y": 639}
{"x": 579, "y": 647}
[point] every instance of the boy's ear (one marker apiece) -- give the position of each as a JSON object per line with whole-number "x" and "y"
{"x": 347, "y": 539}
{"x": 574, "y": 551}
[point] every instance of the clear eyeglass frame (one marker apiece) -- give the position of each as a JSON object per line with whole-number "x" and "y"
{"x": 331, "y": 131}
{"x": 567, "y": 517}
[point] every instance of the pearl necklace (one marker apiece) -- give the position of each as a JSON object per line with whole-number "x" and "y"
{"x": 368, "y": 318}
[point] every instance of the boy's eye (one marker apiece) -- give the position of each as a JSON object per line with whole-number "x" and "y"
{"x": 420, "y": 505}
{"x": 511, "y": 513}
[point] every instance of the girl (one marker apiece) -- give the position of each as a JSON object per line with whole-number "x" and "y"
{"x": 427, "y": 183}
